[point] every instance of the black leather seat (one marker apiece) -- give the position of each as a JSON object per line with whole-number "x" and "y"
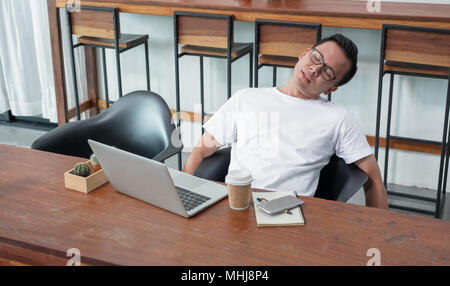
{"x": 139, "y": 122}
{"x": 338, "y": 181}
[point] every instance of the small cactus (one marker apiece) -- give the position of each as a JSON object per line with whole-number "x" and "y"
{"x": 94, "y": 159}
{"x": 95, "y": 163}
{"x": 82, "y": 169}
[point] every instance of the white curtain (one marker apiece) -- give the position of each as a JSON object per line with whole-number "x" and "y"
{"x": 26, "y": 71}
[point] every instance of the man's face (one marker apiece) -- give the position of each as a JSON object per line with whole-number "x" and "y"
{"x": 307, "y": 75}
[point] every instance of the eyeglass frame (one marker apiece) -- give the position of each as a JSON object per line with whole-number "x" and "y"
{"x": 324, "y": 65}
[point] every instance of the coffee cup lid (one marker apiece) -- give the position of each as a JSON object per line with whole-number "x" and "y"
{"x": 238, "y": 178}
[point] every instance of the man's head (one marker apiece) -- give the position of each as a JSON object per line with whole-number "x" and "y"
{"x": 328, "y": 64}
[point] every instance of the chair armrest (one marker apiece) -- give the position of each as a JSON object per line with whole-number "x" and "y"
{"x": 339, "y": 181}
{"x": 215, "y": 167}
{"x": 167, "y": 153}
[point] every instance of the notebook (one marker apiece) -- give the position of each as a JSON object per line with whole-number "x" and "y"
{"x": 281, "y": 219}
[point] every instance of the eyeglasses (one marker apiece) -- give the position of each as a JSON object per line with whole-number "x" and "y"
{"x": 326, "y": 72}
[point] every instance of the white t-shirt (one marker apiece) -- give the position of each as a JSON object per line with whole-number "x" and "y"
{"x": 284, "y": 141}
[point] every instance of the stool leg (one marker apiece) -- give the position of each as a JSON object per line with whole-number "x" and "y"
{"x": 202, "y": 92}
{"x": 377, "y": 128}
{"x": 147, "y": 68}
{"x": 274, "y": 74}
{"x": 256, "y": 70}
{"x": 228, "y": 77}
{"x": 251, "y": 68}
{"x": 388, "y": 131}
{"x": 329, "y": 96}
{"x": 437, "y": 211}
{"x": 119, "y": 76}
{"x": 74, "y": 78}
{"x": 105, "y": 77}
{"x": 177, "y": 97}
{"x": 444, "y": 187}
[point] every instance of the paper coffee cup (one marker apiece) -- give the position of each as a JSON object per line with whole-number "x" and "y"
{"x": 239, "y": 184}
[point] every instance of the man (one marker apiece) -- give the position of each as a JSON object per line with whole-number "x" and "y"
{"x": 285, "y": 136}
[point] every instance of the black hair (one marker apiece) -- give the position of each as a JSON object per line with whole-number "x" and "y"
{"x": 350, "y": 50}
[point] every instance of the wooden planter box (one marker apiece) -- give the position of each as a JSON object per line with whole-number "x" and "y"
{"x": 84, "y": 184}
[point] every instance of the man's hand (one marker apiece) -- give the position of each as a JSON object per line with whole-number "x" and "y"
{"x": 205, "y": 147}
{"x": 375, "y": 192}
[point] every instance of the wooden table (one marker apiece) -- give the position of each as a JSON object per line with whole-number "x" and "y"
{"x": 345, "y": 13}
{"x": 40, "y": 220}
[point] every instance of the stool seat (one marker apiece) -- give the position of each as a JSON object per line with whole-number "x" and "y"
{"x": 125, "y": 41}
{"x": 415, "y": 68}
{"x": 238, "y": 50}
{"x": 278, "y": 60}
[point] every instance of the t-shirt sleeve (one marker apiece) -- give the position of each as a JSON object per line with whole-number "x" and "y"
{"x": 222, "y": 125}
{"x": 351, "y": 144}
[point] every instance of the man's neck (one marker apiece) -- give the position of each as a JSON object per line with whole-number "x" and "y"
{"x": 290, "y": 89}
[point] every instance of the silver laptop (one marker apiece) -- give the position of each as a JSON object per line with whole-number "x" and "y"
{"x": 152, "y": 182}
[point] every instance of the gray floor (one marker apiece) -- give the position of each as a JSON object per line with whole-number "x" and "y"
{"x": 24, "y": 137}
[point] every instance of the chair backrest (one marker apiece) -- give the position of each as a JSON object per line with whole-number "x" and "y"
{"x": 209, "y": 30}
{"x": 288, "y": 39}
{"x": 338, "y": 181}
{"x": 215, "y": 167}
{"x": 139, "y": 122}
{"x": 93, "y": 21}
{"x": 418, "y": 45}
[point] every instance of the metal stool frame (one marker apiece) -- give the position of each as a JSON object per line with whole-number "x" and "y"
{"x": 444, "y": 155}
{"x": 116, "y": 48}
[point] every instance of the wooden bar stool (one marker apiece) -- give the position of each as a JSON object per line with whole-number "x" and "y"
{"x": 207, "y": 35}
{"x": 99, "y": 27}
{"x": 414, "y": 51}
{"x": 279, "y": 43}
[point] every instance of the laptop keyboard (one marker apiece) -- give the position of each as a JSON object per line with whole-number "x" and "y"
{"x": 190, "y": 199}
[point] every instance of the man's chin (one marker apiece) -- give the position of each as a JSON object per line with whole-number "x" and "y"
{"x": 306, "y": 94}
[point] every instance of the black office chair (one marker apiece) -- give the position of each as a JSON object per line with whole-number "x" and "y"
{"x": 140, "y": 123}
{"x": 338, "y": 181}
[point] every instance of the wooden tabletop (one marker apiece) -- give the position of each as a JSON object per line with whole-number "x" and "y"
{"x": 40, "y": 220}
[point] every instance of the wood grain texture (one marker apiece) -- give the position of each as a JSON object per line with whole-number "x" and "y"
{"x": 288, "y": 41}
{"x": 90, "y": 61}
{"x": 406, "y": 145}
{"x": 125, "y": 40}
{"x": 345, "y": 8}
{"x": 278, "y": 60}
{"x": 199, "y": 31}
{"x": 87, "y": 105}
{"x": 93, "y": 23}
{"x": 350, "y": 14}
{"x": 426, "y": 48}
{"x": 396, "y": 67}
{"x": 237, "y": 50}
{"x": 57, "y": 61}
{"x": 44, "y": 219}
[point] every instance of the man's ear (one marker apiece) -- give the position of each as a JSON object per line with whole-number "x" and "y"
{"x": 331, "y": 89}
{"x": 304, "y": 53}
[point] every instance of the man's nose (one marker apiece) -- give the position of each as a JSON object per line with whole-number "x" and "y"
{"x": 314, "y": 69}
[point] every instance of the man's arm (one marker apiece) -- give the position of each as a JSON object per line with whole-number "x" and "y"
{"x": 205, "y": 147}
{"x": 374, "y": 188}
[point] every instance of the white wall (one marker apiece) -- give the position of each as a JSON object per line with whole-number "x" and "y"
{"x": 418, "y": 104}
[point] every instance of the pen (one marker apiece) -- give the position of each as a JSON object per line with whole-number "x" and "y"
{"x": 262, "y": 200}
